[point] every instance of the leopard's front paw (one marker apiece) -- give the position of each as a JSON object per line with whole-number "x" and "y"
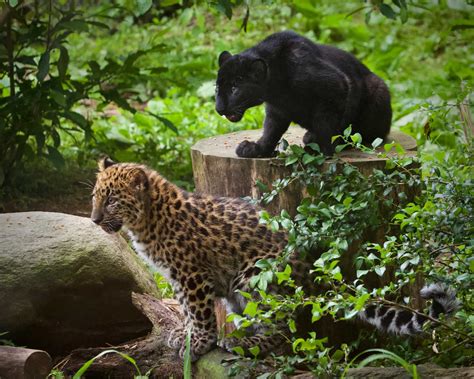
{"x": 176, "y": 338}
{"x": 229, "y": 343}
{"x": 248, "y": 149}
{"x": 199, "y": 345}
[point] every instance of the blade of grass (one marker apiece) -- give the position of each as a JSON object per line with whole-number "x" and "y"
{"x": 382, "y": 354}
{"x": 86, "y": 365}
{"x": 187, "y": 357}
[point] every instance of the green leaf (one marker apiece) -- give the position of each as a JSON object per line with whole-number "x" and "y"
{"x": 77, "y": 118}
{"x": 339, "y": 148}
{"x": 356, "y": 138}
{"x": 166, "y": 122}
{"x": 43, "y": 66}
{"x": 274, "y": 225}
{"x": 142, "y": 6}
{"x": 75, "y": 25}
{"x": 168, "y": 3}
{"x": 255, "y": 350}
{"x": 314, "y": 146}
{"x": 347, "y": 131}
{"x": 292, "y": 326}
{"x": 361, "y": 301}
{"x": 387, "y": 11}
{"x": 379, "y": 270}
{"x": 13, "y": 3}
{"x": 251, "y": 309}
{"x": 95, "y": 68}
{"x": 237, "y": 349}
{"x": 55, "y": 156}
{"x": 367, "y": 17}
{"x": 377, "y": 142}
{"x": 308, "y": 158}
{"x": 403, "y": 14}
{"x": 225, "y": 7}
{"x": 290, "y": 160}
{"x": 63, "y": 62}
{"x": 361, "y": 273}
{"x": 261, "y": 186}
{"x": 144, "y": 121}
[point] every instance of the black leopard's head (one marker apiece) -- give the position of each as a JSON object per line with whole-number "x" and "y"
{"x": 120, "y": 195}
{"x": 241, "y": 82}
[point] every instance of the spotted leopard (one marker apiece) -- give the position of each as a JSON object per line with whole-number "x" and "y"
{"x": 207, "y": 248}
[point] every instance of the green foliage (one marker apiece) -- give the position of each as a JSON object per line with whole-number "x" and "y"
{"x": 426, "y": 210}
{"x": 56, "y": 374}
{"x": 166, "y": 291}
{"x": 5, "y": 342}
{"x": 42, "y": 97}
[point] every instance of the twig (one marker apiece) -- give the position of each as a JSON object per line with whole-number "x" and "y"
{"x": 419, "y": 360}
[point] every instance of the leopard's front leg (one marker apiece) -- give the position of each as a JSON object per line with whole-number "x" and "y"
{"x": 198, "y": 307}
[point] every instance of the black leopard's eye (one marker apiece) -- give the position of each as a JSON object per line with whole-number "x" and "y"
{"x": 239, "y": 79}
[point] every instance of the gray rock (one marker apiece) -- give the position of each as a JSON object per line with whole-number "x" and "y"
{"x": 65, "y": 283}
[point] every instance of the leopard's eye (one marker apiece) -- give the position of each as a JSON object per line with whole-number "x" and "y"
{"x": 111, "y": 200}
{"x": 239, "y": 79}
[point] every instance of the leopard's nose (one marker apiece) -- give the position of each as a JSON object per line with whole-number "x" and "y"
{"x": 97, "y": 217}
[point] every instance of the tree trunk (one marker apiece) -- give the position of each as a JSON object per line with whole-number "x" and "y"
{"x": 218, "y": 171}
{"x": 20, "y": 363}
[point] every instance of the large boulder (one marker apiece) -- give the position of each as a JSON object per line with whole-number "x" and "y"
{"x": 65, "y": 283}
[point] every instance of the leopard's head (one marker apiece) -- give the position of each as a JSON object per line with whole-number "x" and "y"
{"x": 241, "y": 83}
{"x": 120, "y": 195}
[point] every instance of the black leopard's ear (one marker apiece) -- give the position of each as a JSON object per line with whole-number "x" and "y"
{"x": 259, "y": 69}
{"x": 223, "y": 57}
{"x": 105, "y": 162}
{"x": 139, "y": 180}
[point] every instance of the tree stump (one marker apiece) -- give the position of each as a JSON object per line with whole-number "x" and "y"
{"x": 21, "y": 363}
{"x": 219, "y": 171}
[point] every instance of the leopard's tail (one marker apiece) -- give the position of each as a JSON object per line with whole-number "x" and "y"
{"x": 402, "y": 321}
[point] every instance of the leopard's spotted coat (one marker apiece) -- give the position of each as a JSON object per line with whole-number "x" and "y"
{"x": 207, "y": 248}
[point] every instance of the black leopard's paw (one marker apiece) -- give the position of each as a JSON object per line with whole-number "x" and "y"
{"x": 248, "y": 149}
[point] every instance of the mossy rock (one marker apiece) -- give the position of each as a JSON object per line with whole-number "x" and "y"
{"x": 65, "y": 283}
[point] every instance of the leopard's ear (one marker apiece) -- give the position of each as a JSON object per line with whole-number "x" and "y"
{"x": 139, "y": 180}
{"x": 223, "y": 57}
{"x": 104, "y": 163}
